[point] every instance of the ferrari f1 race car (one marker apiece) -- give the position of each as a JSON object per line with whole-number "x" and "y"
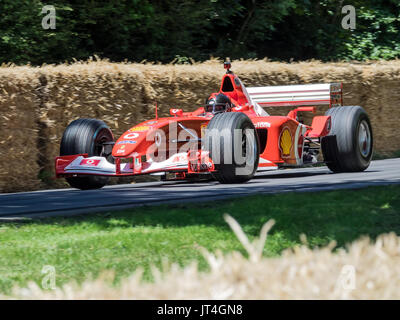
{"x": 229, "y": 138}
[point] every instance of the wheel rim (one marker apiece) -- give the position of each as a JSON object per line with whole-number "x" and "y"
{"x": 364, "y": 138}
{"x": 244, "y": 147}
{"x": 104, "y": 135}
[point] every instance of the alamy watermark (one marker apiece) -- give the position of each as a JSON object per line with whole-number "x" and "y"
{"x": 49, "y": 20}
{"x": 237, "y": 147}
{"x": 349, "y": 20}
{"x": 226, "y": 147}
{"x": 49, "y": 279}
{"x": 347, "y": 278}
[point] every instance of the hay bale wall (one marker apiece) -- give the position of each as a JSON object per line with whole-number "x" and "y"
{"x": 110, "y": 92}
{"x": 42, "y": 101}
{"x": 18, "y": 129}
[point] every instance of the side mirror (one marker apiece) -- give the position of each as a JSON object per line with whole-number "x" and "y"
{"x": 293, "y": 114}
{"x": 176, "y": 112}
{"x": 241, "y": 108}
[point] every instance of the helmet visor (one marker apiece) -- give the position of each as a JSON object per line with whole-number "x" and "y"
{"x": 214, "y": 107}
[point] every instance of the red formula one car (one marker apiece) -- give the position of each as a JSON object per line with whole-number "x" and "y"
{"x": 230, "y": 138}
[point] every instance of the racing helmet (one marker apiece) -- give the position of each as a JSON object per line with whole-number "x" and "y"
{"x": 218, "y": 103}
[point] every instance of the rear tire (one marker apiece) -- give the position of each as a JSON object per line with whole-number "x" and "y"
{"x": 349, "y": 146}
{"x": 85, "y": 136}
{"x": 220, "y": 135}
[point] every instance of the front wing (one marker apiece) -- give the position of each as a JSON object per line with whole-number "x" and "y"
{"x": 82, "y": 164}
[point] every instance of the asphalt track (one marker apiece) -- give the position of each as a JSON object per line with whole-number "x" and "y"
{"x": 72, "y": 201}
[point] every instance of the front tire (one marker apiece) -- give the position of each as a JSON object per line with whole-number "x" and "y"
{"x": 237, "y": 158}
{"x": 349, "y": 146}
{"x": 85, "y": 136}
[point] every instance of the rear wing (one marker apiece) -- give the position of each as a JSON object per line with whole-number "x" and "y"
{"x": 297, "y": 95}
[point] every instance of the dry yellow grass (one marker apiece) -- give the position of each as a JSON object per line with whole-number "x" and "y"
{"x": 18, "y": 129}
{"x": 300, "y": 273}
{"x": 36, "y": 104}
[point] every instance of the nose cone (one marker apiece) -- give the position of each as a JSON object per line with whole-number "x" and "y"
{"x": 134, "y": 140}
{"x": 127, "y": 143}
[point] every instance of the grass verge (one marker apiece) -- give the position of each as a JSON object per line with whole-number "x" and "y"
{"x": 122, "y": 241}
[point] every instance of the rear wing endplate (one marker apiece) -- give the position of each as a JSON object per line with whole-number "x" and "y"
{"x": 297, "y": 95}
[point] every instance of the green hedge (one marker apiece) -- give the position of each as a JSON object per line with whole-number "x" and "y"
{"x": 162, "y": 30}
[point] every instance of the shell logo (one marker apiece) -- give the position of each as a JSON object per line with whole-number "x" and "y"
{"x": 285, "y": 142}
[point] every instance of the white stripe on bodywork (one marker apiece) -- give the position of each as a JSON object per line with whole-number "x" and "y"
{"x": 257, "y": 108}
{"x": 262, "y": 160}
{"x": 169, "y": 163}
{"x": 269, "y": 168}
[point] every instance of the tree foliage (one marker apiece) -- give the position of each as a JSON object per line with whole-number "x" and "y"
{"x": 161, "y": 30}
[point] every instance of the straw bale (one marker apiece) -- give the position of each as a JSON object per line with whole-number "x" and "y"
{"x": 110, "y": 92}
{"x": 18, "y": 129}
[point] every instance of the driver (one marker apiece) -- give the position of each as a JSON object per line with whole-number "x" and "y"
{"x": 217, "y": 104}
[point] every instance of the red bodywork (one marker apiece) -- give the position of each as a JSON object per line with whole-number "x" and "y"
{"x": 282, "y": 140}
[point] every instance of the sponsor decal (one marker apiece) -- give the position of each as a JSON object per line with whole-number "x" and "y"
{"x": 127, "y": 142}
{"x": 151, "y": 122}
{"x": 300, "y": 146}
{"x": 121, "y": 149}
{"x": 203, "y": 128}
{"x": 90, "y": 162}
{"x": 140, "y": 128}
{"x": 198, "y": 167}
{"x": 132, "y": 135}
{"x": 179, "y": 158}
{"x": 285, "y": 142}
{"x": 262, "y": 125}
{"x": 137, "y": 164}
